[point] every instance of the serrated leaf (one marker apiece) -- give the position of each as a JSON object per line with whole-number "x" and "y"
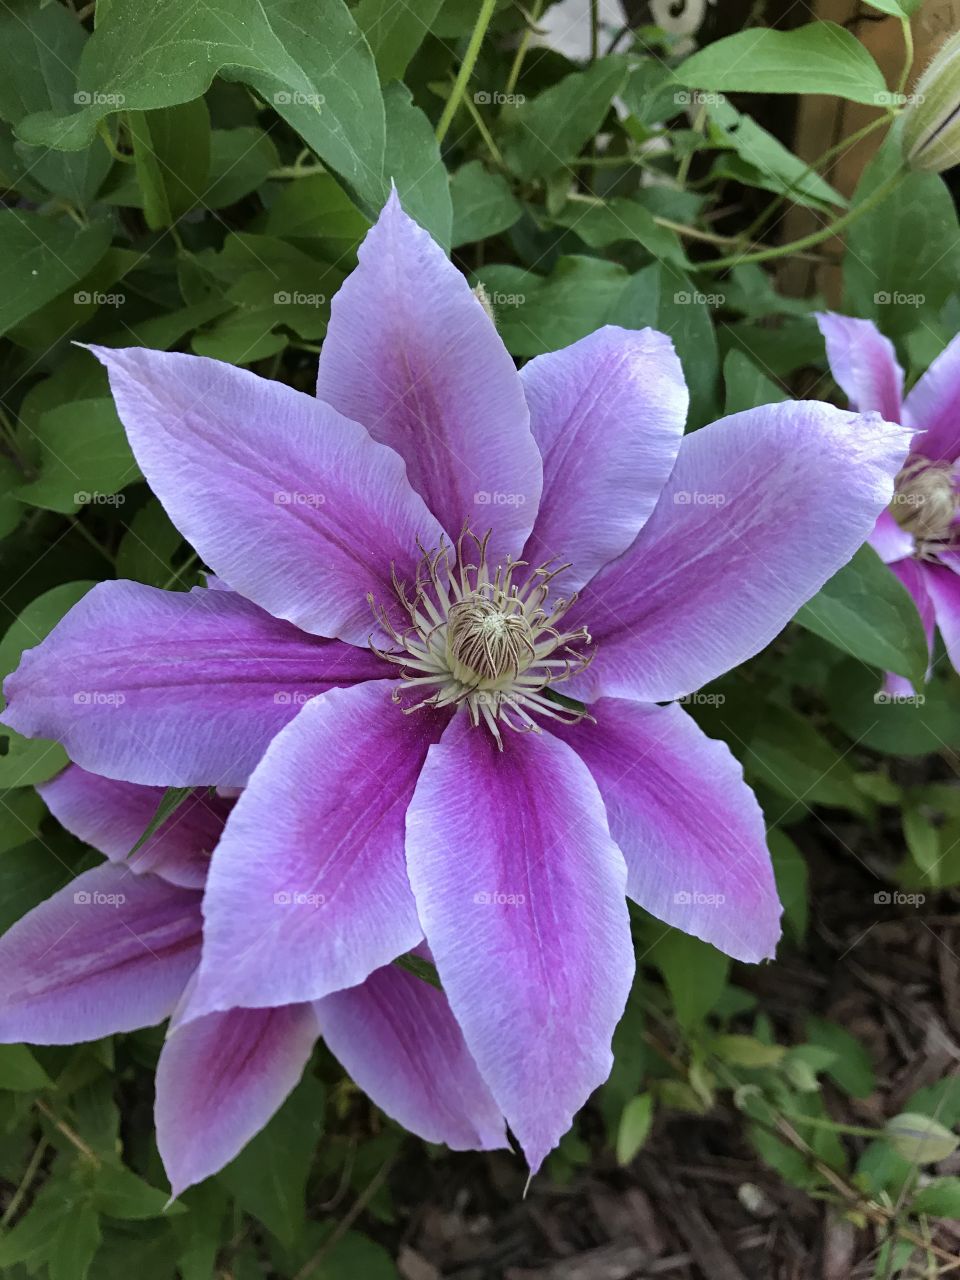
{"x": 634, "y": 1127}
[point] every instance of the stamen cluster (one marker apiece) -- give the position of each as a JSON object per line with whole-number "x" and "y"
{"x": 480, "y": 639}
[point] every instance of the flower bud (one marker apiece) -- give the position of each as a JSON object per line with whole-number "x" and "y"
{"x": 931, "y": 119}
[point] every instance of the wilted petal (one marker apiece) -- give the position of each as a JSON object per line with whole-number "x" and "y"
{"x": 413, "y": 355}
{"x": 608, "y": 415}
{"x": 112, "y": 816}
{"x": 112, "y": 951}
{"x": 290, "y": 503}
{"x": 307, "y": 890}
{"x": 690, "y": 829}
{"x": 220, "y": 1079}
{"x": 397, "y": 1038}
{"x": 172, "y": 688}
{"x": 761, "y": 509}
{"x": 933, "y": 407}
{"x": 520, "y": 890}
{"x": 864, "y": 364}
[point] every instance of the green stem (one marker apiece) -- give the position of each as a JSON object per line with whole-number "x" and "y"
{"x": 522, "y": 47}
{"x": 815, "y": 237}
{"x": 86, "y": 534}
{"x": 594, "y": 30}
{"x": 908, "y": 59}
{"x": 687, "y": 158}
{"x": 466, "y": 67}
{"x": 484, "y": 132}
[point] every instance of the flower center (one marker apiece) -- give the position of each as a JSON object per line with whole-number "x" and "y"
{"x": 480, "y": 637}
{"x": 925, "y": 503}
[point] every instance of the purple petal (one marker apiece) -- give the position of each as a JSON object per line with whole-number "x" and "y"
{"x": 413, "y": 355}
{"x": 220, "y": 1079}
{"x": 943, "y": 590}
{"x": 608, "y": 415}
{"x": 933, "y": 407}
{"x": 307, "y": 890}
{"x": 520, "y": 890}
{"x": 915, "y": 575}
{"x": 889, "y": 541}
{"x": 291, "y": 504}
{"x": 111, "y": 951}
{"x": 397, "y": 1038}
{"x": 761, "y": 509}
{"x": 690, "y": 829}
{"x": 112, "y": 816}
{"x": 864, "y": 364}
{"x": 170, "y": 688}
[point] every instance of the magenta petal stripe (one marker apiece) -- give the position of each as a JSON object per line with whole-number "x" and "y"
{"x": 290, "y": 503}
{"x": 864, "y": 364}
{"x": 112, "y": 816}
{"x": 760, "y": 510}
{"x": 413, "y": 355}
{"x": 520, "y": 889}
{"x": 397, "y": 1038}
{"x": 690, "y": 828}
{"x": 608, "y": 415}
{"x": 172, "y": 688}
{"x": 220, "y": 1079}
{"x": 112, "y": 951}
{"x": 308, "y": 891}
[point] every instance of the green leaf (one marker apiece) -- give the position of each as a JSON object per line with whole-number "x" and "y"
{"x": 268, "y": 1178}
{"x": 928, "y": 723}
{"x": 790, "y": 870}
{"x": 420, "y": 968}
{"x": 851, "y": 1067}
{"x": 394, "y": 31}
{"x": 119, "y": 1193}
{"x": 788, "y": 754}
{"x": 548, "y": 132}
{"x": 25, "y": 762}
{"x": 820, "y": 57}
{"x": 919, "y": 1138}
{"x": 923, "y": 841}
{"x": 940, "y": 1199}
{"x": 83, "y": 458}
{"x": 42, "y": 257}
{"x": 620, "y": 219}
{"x": 20, "y": 1071}
{"x": 148, "y": 547}
{"x": 171, "y": 150}
{"x": 865, "y": 610}
{"x": 903, "y": 257}
{"x": 412, "y": 161}
{"x": 170, "y": 802}
{"x": 75, "y": 1243}
{"x": 315, "y": 208}
{"x": 634, "y": 1127}
{"x": 747, "y": 386}
{"x": 483, "y": 204}
{"x": 42, "y": 45}
{"x": 536, "y": 313}
{"x": 747, "y": 1051}
{"x": 695, "y": 974}
{"x": 305, "y": 57}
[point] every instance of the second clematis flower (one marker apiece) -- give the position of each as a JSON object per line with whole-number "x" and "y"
{"x": 419, "y": 562}
{"x": 918, "y": 535}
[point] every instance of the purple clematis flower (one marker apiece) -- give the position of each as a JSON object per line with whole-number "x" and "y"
{"x": 385, "y": 685}
{"x": 117, "y": 948}
{"x": 918, "y": 535}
